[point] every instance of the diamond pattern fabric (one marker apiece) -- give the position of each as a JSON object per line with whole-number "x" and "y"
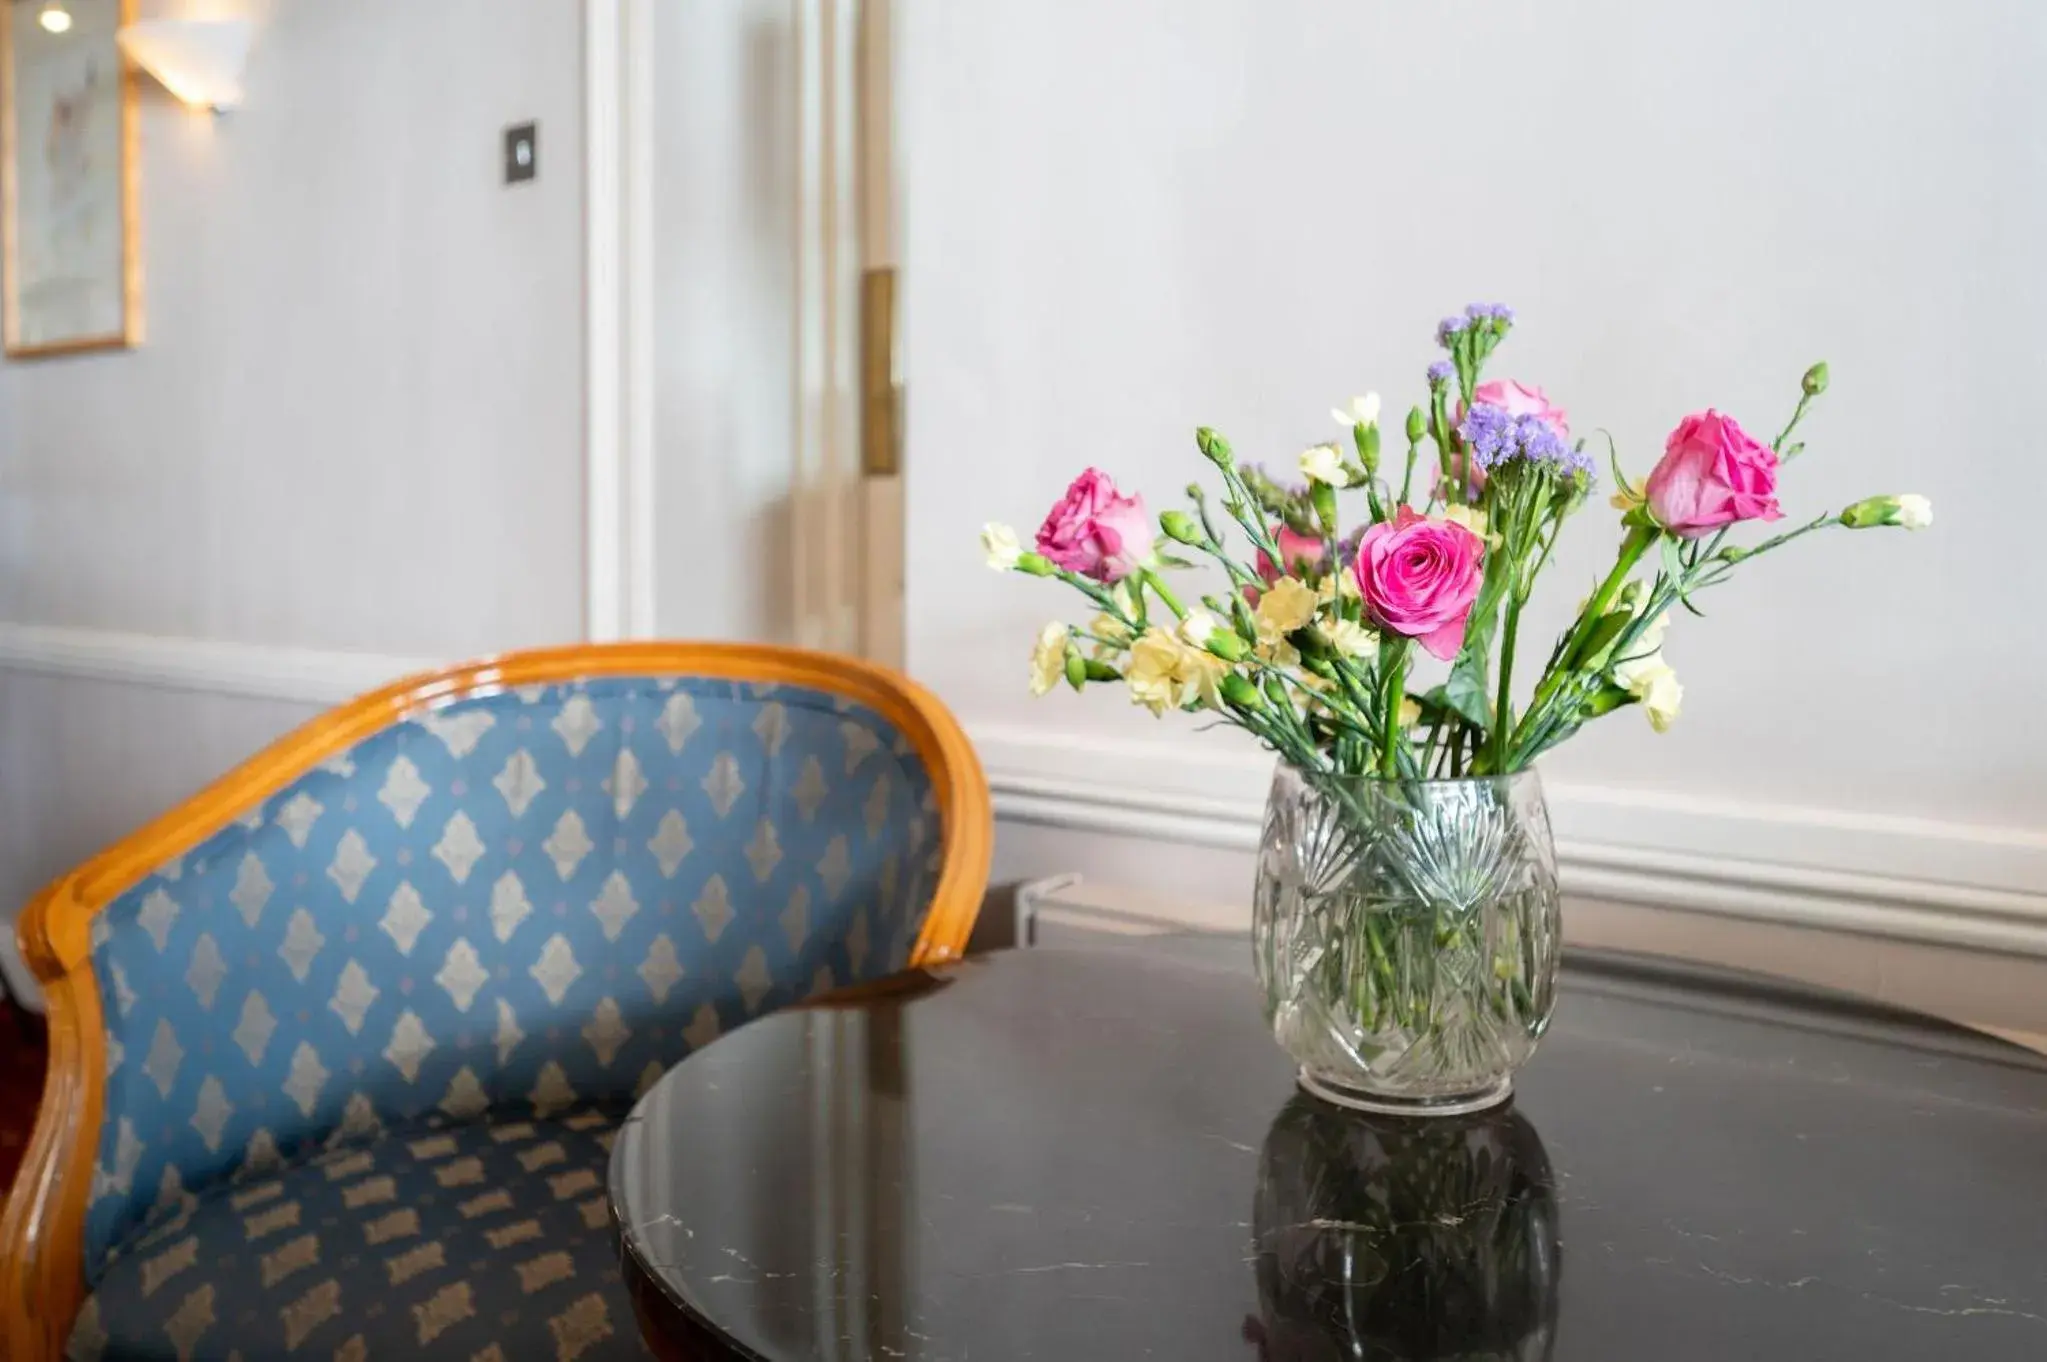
{"x": 478, "y": 1240}
{"x": 518, "y": 903}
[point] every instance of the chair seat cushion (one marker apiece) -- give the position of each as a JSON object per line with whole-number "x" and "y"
{"x": 488, "y": 1241}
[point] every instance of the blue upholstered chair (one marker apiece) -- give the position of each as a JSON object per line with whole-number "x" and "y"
{"x": 339, "y": 1045}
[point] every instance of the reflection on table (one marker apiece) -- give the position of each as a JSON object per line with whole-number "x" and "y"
{"x": 1387, "y": 1238}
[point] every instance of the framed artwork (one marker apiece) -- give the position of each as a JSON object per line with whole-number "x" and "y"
{"x": 70, "y": 253}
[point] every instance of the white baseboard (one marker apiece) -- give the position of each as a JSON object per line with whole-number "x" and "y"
{"x": 1915, "y": 880}
{"x": 249, "y": 670}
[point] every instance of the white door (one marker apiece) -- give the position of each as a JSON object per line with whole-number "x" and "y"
{"x": 755, "y": 478}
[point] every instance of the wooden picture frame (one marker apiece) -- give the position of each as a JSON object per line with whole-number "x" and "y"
{"x": 70, "y": 240}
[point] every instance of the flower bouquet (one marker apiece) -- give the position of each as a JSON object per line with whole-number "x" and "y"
{"x": 1405, "y": 924}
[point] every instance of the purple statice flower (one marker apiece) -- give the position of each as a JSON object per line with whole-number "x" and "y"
{"x": 1448, "y": 330}
{"x": 1441, "y": 372}
{"x": 1489, "y": 312}
{"x": 1496, "y": 435}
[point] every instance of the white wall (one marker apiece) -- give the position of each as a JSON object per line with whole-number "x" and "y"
{"x": 362, "y": 371}
{"x": 356, "y": 424}
{"x": 1126, "y": 220}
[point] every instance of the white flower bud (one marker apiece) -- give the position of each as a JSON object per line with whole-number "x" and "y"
{"x": 999, "y": 542}
{"x": 1195, "y": 629}
{"x": 1323, "y": 464}
{"x": 1362, "y": 411}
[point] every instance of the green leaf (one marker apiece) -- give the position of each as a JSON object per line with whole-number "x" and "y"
{"x": 1602, "y": 636}
{"x": 1309, "y": 641}
{"x": 1674, "y": 570}
{"x": 1673, "y": 560}
{"x": 1673, "y": 563}
{"x": 1467, "y": 691}
{"x": 1435, "y": 705}
{"x": 1605, "y": 700}
{"x": 1168, "y": 560}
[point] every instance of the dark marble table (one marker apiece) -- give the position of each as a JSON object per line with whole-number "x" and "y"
{"x": 1081, "y": 1155}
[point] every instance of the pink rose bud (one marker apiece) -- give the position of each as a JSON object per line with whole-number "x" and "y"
{"x": 1712, "y": 474}
{"x": 1419, "y": 577}
{"x": 1519, "y": 399}
{"x": 1096, "y": 530}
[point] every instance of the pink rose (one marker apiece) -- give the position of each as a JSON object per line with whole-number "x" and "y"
{"x": 1096, "y": 530}
{"x": 1419, "y": 576}
{"x": 1712, "y": 474}
{"x": 1520, "y": 399}
{"x": 1302, "y": 552}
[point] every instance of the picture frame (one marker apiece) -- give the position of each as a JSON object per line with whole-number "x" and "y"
{"x": 70, "y": 240}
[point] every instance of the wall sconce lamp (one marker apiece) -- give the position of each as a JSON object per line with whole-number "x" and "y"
{"x": 200, "y": 61}
{"x": 55, "y": 18}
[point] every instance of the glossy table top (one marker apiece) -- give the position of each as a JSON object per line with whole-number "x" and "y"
{"x": 1099, "y": 1154}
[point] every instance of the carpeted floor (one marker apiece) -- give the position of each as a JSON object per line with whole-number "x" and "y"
{"x": 22, "y": 1052}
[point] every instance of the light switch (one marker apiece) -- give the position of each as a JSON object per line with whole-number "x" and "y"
{"x": 522, "y": 152}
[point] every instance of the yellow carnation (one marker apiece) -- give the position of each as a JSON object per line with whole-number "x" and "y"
{"x": 1109, "y": 634}
{"x": 1342, "y": 582}
{"x": 1152, "y": 672}
{"x": 1048, "y": 658}
{"x": 1470, "y": 517}
{"x": 1164, "y": 673}
{"x": 1200, "y": 677}
{"x": 1352, "y": 639}
{"x": 1286, "y": 605}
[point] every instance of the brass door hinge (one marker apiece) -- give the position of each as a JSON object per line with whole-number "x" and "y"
{"x": 881, "y": 398}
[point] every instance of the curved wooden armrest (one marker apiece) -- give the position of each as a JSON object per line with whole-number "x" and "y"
{"x": 42, "y": 1231}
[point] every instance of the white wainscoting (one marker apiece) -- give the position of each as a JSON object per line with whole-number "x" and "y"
{"x": 1904, "y": 879}
{"x": 254, "y": 670}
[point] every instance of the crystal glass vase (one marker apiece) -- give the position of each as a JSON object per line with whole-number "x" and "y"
{"x": 1406, "y": 935}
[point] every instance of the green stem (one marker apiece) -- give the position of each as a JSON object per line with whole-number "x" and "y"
{"x": 1503, "y": 708}
{"x": 1396, "y": 690}
{"x": 1797, "y": 415}
{"x": 1717, "y": 572}
{"x": 1439, "y": 428}
{"x": 1632, "y": 548}
{"x": 1158, "y": 584}
{"x": 1249, "y": 515}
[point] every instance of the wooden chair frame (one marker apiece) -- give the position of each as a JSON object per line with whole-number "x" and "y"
{"x": 42, "y": 1254}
